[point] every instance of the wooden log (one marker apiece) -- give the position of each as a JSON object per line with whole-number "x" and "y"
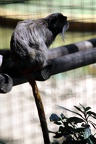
{"x": 6, "y": 83}
{"x": 62, "y": 50}
{"x": 73, "y": 61}
{"x": 59, "y": 65}
{"x": 61, "y": 61}
{"x": 72, "y": 48}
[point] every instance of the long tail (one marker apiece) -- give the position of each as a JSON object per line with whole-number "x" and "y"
{"x": 40, "y": 108}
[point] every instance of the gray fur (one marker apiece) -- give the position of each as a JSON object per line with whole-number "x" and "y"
{"x": 31, "y": 39}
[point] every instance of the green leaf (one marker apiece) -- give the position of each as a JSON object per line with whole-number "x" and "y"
{"x": 93, "y": 124}
{"x": 58, "y": 135}
{"x": 61, "y": 129}
{"x": 70, "y": 111}
{"x": 54, "y": 117}
{"x": 75, "y": 120}
{"x": 63, "y": 116}
{"x": 79, "y": 130}
{"x": 91, "y": 142}
{"x": 58, "y": 122}
{"x": 66, "y": 130}
{"x": 82, "y": 107}
{"x": 87, "y": 109}
{"x": 78, "y": 109}
{"x": 92, "y": 114}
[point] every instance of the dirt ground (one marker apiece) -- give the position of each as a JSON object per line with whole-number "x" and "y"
{"x": 19, "y": 123}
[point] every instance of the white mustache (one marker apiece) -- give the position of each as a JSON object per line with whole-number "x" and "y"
{"x": 65, "y": 27}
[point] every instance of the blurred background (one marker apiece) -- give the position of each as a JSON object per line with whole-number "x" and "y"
{"x": 19, "y": 121}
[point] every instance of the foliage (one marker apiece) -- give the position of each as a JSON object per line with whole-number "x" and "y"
{"x": 76, "y": 129}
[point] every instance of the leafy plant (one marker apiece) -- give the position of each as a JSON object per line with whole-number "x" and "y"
{"x": 76, "y": 129}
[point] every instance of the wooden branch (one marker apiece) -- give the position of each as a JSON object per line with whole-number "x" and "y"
{"x": 59, "y": 65}
{"x": 6, "y": 83}
{"x": 62, "y": 50}
{"x": 66, "y": 63}
{"x": 62, "y": 59}
{"x": 73, "y": 61}
{"x": 72, "y": 48}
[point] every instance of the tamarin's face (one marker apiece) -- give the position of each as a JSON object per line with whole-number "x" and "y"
{"x": 57, "y": 23}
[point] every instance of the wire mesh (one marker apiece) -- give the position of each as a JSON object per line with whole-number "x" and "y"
{"x": 19, "y": 121}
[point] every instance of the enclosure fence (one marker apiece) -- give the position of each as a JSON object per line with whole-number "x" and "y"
{"x": 19, "y": 122}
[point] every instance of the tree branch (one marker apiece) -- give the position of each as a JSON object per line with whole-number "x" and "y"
{"x": 62, "y": 59}
{"x": 72, "y": 48}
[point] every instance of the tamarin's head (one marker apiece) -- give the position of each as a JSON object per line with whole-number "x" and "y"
{"x": 57, "y": 23}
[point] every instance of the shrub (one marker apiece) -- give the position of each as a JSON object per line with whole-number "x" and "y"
{"x": 75, "y": 129}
